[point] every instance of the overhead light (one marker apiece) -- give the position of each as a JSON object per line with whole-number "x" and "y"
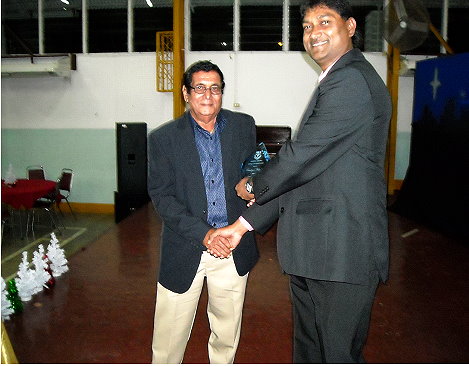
{"x": 149, "y": 3}
{"x": 65, "y": 2}
{"x": 224, "y": 44}
{"x": 280, "y": 44}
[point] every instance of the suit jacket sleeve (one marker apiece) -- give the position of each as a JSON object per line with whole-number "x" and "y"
{"x": 261, "y": 218}
{"x": 162, "y": 191}
{"x": 338, "y": 119}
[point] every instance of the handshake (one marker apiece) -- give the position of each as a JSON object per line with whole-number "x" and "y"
{"x": 221, "y": 242}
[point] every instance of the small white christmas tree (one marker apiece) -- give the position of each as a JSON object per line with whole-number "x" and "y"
{"x": 6, "y": 304}
{"x": 26, "y": 280}
{"x": 40, "y": 266}
{"x": 10, "y": 177}
{"x": 56, "y": 255}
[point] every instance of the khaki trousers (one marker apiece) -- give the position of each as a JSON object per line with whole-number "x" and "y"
{"x": 175, "y": 313}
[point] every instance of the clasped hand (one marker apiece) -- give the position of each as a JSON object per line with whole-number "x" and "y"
{"x": 221, "y": 242}
{"x": 242, "y": 192}
{"x": 217, "y": 245}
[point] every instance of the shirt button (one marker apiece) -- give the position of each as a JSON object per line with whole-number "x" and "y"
{"x": 214, "y": 203}
{"x": 213, "y": 181}
{"x": 282, "y": 209}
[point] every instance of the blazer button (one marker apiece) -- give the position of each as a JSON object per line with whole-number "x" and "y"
{"x": 282, "y": 209}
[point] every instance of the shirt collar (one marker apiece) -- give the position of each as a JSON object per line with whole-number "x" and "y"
{"x": 324, "y": 73}
{"x": 219, "y": 124}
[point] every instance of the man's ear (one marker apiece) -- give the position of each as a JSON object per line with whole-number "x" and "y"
{"x": 184, "y": 93}
{"x": 351, "y": 26}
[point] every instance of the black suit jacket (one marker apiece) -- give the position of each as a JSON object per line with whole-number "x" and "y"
{"x": 327, "y": 187}
{"x": 176, "y": 188}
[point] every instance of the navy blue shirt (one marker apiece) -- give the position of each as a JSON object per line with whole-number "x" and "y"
{"x": 209, "y": 147}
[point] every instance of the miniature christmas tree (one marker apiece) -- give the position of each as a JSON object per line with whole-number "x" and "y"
{"x": 56, "y": 255}
{"x": 26, "y": 280}
{"x": 10, "y": 177}
{"x": 14, "y": 297}
{"x": 6, "y": 304}
{"x": 40, "y": 265}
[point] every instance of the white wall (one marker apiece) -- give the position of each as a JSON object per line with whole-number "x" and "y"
{"x": 105, "y": 88}
{"x": 274, "y": 87}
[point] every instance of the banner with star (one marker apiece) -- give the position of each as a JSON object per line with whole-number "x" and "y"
{"x": 435, "y": 190}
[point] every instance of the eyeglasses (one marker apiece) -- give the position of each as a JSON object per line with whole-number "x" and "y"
{"x": 201, "y": 89}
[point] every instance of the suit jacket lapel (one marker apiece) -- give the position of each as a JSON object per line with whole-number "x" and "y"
{"x": 344, "y": 60}
{"x": 226, "y": 142}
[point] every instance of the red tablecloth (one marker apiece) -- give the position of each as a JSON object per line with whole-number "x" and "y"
{"x": 26, "y": 191}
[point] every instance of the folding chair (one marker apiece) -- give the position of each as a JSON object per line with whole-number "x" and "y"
{"x": 36, "y": 172}
{"x": 64, "y": 185}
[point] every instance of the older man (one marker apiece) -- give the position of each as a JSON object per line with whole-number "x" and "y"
{"x": 194, "y": 164}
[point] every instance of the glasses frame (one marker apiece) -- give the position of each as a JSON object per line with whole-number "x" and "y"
{"x": 205, "y": 88}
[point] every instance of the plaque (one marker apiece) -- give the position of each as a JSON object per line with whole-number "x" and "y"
{"x": 256, "y": 161}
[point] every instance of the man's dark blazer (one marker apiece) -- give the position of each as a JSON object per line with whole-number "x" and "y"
{"x": 176, "y": 188}
{"x": 327, "y": 187}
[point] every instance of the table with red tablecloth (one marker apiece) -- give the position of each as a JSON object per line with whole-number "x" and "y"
{"x": 25, "y": 192}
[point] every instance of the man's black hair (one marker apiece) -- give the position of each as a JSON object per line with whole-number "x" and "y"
{"x": 203, "y": 65}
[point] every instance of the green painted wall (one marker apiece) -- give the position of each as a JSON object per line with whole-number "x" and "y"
{"x": 402, "y": 154}
{"x": 91, "y": 153}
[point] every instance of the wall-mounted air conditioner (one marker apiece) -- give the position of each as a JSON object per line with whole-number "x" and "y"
{"x": 38, "y": 65}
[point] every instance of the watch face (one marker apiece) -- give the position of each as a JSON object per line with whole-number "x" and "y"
{"x": 248, "y": 187}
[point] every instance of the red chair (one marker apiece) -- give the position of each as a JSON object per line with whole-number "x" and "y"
{"x": 64, "y": 186}
{"x": 36, "y": 172}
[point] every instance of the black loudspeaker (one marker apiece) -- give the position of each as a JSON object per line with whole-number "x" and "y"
{"x": 126, "y": 204}
{"x": 131, "y": 141}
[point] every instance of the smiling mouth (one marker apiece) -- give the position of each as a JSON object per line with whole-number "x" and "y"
{"x": 319, "y": 43}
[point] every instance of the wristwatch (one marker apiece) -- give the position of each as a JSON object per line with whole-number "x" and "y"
{"x": 249, "y": 185}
